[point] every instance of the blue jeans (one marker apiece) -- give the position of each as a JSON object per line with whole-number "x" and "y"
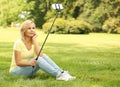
{"x": 44, "y": 63}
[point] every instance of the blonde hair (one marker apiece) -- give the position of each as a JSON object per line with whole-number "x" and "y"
{"x": 24, "y": 27}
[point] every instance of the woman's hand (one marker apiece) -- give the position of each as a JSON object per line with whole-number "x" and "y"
{"x": 33, "y": 62}
{"x": 34, "y": 41}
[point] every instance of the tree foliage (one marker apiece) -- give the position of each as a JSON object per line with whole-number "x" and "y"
{"x": 95, "y": 12}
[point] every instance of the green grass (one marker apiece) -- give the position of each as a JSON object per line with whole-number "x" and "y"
{"x": 94, "y": 59}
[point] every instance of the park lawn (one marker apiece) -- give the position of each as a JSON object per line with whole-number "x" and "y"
{"x": 94, "y": 59}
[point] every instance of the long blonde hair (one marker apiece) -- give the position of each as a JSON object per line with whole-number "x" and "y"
{"x": 24, "y": 27}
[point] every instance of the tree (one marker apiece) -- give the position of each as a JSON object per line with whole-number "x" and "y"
{"x": 9, "y": 11}
{"x": 95, "y": 12}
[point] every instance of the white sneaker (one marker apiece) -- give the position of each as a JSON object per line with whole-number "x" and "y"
{"x": 69, "y": 76}
{"x": 65, "y": 76}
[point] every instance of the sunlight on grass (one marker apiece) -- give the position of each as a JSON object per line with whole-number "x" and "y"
{"x": 93, "y": 39}
{"x": 93, "y": 59}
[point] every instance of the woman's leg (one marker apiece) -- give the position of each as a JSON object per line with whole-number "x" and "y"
{"x": 45, "y": 66}
{"x": 51, "y": 62}
{"x": 25, "y": 71}
{"x": 64, "y": 74}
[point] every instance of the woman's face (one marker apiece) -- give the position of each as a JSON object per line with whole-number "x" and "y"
{"x": 30, "y": 31}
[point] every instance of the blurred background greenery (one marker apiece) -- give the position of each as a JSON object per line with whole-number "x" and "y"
{"x": 78, "y": 16}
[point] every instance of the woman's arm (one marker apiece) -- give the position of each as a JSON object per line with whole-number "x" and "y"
{"x": 36, "y": 45}
{"x": 19, "y": 62}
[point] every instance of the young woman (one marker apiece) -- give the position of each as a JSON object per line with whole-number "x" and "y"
{"x": 24, "y": 52}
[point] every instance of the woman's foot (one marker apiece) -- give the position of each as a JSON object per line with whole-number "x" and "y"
{"x": 65, "y": 76}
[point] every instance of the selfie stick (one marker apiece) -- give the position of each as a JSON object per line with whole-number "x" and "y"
{"x": 58, "y": 8}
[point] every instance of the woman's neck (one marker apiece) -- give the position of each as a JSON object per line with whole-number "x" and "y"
{"x": 28, "y": 43}
{"x": 28, "y": 40}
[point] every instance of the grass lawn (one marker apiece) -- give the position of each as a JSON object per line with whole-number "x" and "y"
{"x": 94, "y": 59}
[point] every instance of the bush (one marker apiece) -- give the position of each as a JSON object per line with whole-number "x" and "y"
{"x": 117, "y": 30}
{"x": 78, "y": 27}
{"x": 111, "y": 25}
{"x": 58, "y": 26}
{"x": 62, "y": 26}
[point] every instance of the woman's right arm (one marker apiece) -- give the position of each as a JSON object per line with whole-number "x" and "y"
{"x": 19, "y": 62}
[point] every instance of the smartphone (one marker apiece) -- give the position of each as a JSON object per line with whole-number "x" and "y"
{"x": 57, "y": 6}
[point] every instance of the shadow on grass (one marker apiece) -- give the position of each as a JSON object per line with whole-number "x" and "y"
{"x": 40, "y": 76}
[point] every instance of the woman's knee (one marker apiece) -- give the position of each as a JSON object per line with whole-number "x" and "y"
{"x": 44, "y": 55}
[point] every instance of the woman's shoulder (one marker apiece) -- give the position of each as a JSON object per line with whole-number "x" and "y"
{"x": 18, "y": 44}
{"x": 18, "y": 41}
